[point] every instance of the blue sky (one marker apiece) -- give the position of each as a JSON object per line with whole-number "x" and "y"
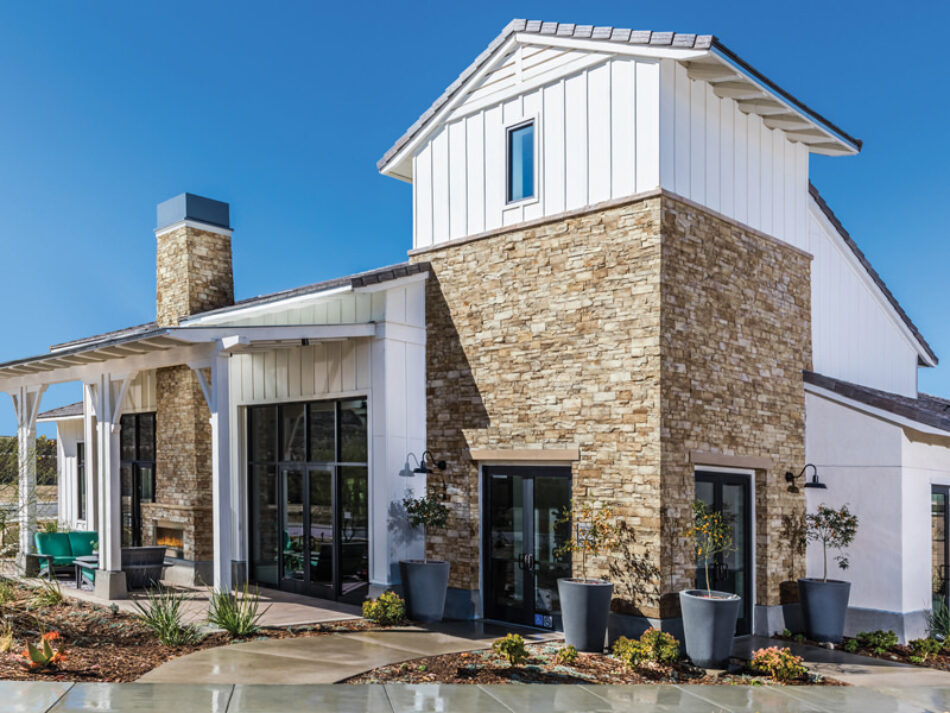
{"x": 282, "y": 109}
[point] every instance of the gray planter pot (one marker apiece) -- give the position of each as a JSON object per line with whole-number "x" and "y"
{"x": 824, "y": 605}
{"x": 585, "y": 606}
{"x": 709, "y": 626}
{"x": 424, "y": 585}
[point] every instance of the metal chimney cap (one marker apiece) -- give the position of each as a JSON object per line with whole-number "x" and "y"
{"x": 188, "y": 206}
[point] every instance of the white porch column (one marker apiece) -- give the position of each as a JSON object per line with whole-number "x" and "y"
{"x": 90, "y": 447}
{"x": 107, "y": 397}
{"x": 26, "y": 402}
{"x": 217, "y": 394}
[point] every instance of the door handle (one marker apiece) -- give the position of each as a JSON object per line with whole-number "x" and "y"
{"x": 521, "y": 558}
{"x": 529, "y": 562}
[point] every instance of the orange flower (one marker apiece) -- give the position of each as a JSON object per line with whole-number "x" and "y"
{"x": 51, "y": 636}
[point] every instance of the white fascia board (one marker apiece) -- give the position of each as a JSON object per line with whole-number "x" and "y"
{"x": 865, "y": 278}
{"x": 398, "y": 282}
{"x": 849, "y": 147}
{"x": 880, "y": 413}
{"x": 59, "y": 419}
{"x": 244, "y": 335}
{"x": 239, "y": 313}
{"x": 196, "y": 224}
{"x": 615, "y": 48}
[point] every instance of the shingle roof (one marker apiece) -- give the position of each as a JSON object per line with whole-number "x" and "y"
{"x": 68, "y": 411}
{"x": 675, "y": 40}
{"x": 929, "y": 410}
{"x": 359, "y": 279}
{"x": 846, "y": 236}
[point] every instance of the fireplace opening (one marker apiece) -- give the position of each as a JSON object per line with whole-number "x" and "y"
{"x": 171, "y": 537}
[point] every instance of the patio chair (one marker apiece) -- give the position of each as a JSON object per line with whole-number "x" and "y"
{"x": 143, "y": 566}
{"x": 57, "y": 551}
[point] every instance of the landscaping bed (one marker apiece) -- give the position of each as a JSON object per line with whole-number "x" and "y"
{"x": 99, "y": 643}
{"x": 883, "y": 645}
{"x": 542, "y": 666}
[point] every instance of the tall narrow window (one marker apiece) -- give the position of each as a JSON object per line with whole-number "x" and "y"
{"x": 521, "y": 162}
{"x": 80, "y": 481}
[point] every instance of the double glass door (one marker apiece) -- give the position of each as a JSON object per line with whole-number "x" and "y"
{"x": 309, "y": 498}
{"x": 940, "y": 550}
{"x": 521, "y": 514}
{"x": 730, "y": 571}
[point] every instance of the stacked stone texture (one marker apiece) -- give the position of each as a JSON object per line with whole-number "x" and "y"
{"x": 637, "y": 333}
{"x": 194, "y": 274}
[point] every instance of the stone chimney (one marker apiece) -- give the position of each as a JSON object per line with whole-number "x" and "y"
{"x": 194, "y": 258}
{"x": 193, "y": 275}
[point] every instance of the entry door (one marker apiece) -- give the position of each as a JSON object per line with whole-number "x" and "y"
{"x": 732, "y": 572}
{"x": 521, "y": 509}
{"x": 940, "y": 549}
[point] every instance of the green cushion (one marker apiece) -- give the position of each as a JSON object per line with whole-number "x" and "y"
{"x": 81, "y": 542}
{"x": 53, "y": 543}
{"x": 89, "y": 572}
{"x": 63, "y": 560}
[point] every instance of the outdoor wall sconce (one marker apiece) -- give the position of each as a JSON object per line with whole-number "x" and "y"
{"x": 423, "y": 469}
{"x": 813, "y": 483}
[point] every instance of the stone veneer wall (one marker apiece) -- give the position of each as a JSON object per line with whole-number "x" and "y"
{"x": 194, "y": 274}
{"x": 603, "y": 330}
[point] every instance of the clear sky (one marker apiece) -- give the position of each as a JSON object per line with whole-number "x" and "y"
{"x": 283, "y": 108}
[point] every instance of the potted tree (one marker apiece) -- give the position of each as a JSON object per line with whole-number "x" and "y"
{"x": 425, "y": 582}
{"x": 709, "y": 616}
{"x": 824, "y": 601}
{"x": 585, "y": 602}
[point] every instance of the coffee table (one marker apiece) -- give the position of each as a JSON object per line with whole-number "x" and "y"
{"x": 85, "y": 561}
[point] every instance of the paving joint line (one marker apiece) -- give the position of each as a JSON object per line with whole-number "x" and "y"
{"x": 62, "y": 695}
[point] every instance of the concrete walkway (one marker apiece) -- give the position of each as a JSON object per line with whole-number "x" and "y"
{"x": 332, "y": 657}
{"x": 29, "y": 697}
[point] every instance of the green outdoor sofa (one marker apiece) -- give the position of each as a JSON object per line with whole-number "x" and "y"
{"x": 59, "y": 550}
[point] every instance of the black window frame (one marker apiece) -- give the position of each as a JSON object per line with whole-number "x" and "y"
{"x": 80, "y": 480}
{"x": 132, "y": 421}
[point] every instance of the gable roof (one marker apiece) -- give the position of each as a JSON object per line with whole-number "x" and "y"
{"x": 926, "y": 409}
{"x": 610, "y": 36}
{"x": 62, "y": 412}
{"x": 875, "y": 277}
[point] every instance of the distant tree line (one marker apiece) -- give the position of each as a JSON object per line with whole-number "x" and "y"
{"x": 45, "y": 461}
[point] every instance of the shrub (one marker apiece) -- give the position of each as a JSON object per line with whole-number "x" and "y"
{"x": 851, "y": 646}
{"x": 566, "y": 655}
{"x": 630, "y": 652}
{"x": 660, "y": 646}
{"x": 835, "y": 530}
{"x": 925, "y": 648}
{"x": 781, "y": 664}
{"x": 711, "y": 532}
{"x": 388, "y": 609}
{"x": 938, "y": 622}
{"x": 48, "y": 594}
{"x": 43, "y": 656}
{"x": 236, "y": 612}
{"x": 162, "y": 613}
{"x": 7, "y": 591}
{"x": 511, "y": 648}
{"x": 877, "y": 642}
{"x": 427, "y": 512}
{"x": 593, "y": 533}
{"x": 6, "y": 638}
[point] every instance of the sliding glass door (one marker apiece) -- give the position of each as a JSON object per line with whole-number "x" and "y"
{"x": 309, "y": 498}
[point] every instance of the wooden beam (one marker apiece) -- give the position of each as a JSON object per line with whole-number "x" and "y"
{"x": 737, "y": 90}
{"x": 761, "y": 107}
{"x": 786, "y": 121}
{"x": 710, "y": 72}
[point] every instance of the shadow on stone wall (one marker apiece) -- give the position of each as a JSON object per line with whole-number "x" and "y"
{"x": 635, "y": 575}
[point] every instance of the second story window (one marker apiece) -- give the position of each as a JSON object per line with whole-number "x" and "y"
{"x": 521, "y": 162}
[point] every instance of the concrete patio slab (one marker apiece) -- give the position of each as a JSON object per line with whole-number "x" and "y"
{"x": 144, "y": 698}
{"x": 442, "y": 698}
{"x": 340, "y": 699}
{"x": 27, "y": 696}
{"x": 831, "y": 699}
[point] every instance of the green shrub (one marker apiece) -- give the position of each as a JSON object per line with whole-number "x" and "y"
{"x": 938, "y": 622}
{"x": 851, "y": 646}
{"x": 660, "y": 646}
{"x": 566, "y": 655}
{"x": 630, "y": 652}
{"x": 7, "y": 591}
{"x": 48, "y": 594}
{"x": 238, "y": 612}
{"x": 925, "y": 648}
{"x": 511, "y": 648}
{"x": 781, "y": 664}
{"x": 388, "y": 609}
{"x": 162, "y": 613}
{"x": 878, "y": 642}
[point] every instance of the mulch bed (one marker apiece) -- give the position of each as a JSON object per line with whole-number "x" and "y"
{"x": 486, "y": 666}
{"x": 898, "y": 653}
{"x": 103, "y": 645}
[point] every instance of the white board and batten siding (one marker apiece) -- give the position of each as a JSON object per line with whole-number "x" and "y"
{"x": 729, "y": 161}
{"x": 596, "y": 133}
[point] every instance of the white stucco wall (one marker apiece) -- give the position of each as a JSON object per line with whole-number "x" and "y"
{"x": 68, "y": 434}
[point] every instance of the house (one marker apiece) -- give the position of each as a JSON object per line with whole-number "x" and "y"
{"x": 622, "y": 288}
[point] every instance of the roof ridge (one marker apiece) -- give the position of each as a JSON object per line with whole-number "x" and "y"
{"x": 862, "y": 258}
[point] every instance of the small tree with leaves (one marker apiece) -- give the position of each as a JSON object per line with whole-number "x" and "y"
{"x": 427, "y": 512}
{"x": 594, "y": 533}
{"x": 711, "y": 532}
{"x": 835, "y": 530}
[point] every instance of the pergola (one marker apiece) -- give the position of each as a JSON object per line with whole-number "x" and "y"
{"x": 106, "y": 366}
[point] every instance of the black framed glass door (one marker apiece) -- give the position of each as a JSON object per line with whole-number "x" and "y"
{"x": 521, "y": 509}
{"x": 730, "y": 494}
{"x": 136, "y": 472}
{"x": 940, "y": 547}
{"x": 308, "y": 493}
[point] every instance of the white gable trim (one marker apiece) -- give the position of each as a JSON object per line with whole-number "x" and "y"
{"x": 880, "y": 413}
{"x": 852, "y": 260}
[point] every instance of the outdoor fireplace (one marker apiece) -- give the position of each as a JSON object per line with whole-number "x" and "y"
{"x": 170, "y": 536}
